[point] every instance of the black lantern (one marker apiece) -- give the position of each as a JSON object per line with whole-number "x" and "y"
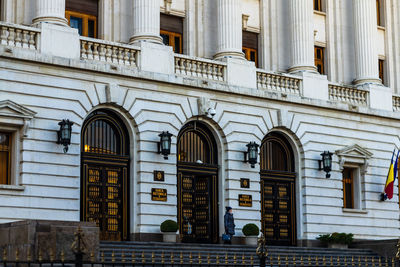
{"x": 326, "y": 163}
{"x": 251, "y": 155}
{"x": 64, "y": 134}
{"x": 164, "y": 146}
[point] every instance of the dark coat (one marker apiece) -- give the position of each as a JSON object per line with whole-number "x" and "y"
{"x": 229, "y": 224}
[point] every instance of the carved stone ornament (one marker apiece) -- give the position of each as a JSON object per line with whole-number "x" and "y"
{"x": 15, "y": 114}
{"x": 355, "y": 155}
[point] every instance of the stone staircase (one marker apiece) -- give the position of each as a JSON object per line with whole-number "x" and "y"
{"x": 239, "y": 255}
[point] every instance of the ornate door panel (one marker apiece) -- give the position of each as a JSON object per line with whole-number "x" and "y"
{"x": 104, "y": 200}
{"x": 202, "y": 209}
{"x": 278, "y": 210}
{"x": 196, "y": 208}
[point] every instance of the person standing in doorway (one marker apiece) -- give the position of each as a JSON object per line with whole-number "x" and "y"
{"x": 229, "y": 224}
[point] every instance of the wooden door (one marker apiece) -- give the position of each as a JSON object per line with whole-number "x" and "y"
{"x": 278, "y": 210}
{"x": 105, "y": 200}
{"x": 104, "y": 174}
{"x": 197, "y": 208}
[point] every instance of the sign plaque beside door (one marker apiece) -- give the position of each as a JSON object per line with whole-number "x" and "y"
{"x": 159, "y": 176}
{"x": 245, "y": 201}
{"x": 244, "y": 183}
{"x": 158, "y": 194}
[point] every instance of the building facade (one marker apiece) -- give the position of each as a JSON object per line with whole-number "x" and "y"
{"x": 294, "y": 77}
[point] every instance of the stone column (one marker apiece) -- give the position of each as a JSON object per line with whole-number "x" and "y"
{"x": 50, "y": 11}
{"x": 229, "y": 20}
{"x": 365, "y": 34}
{"x": 301, "y": 36}
{"x": 146, "y": 21}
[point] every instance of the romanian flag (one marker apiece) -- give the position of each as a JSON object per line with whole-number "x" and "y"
{"x": 391, "y": 177}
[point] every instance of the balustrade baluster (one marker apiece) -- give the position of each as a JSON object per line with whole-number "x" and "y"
{"x": 18, "y": 40}
{"x": 32, "y": 40}
{"x": 3, "y": 36}
{"x": 83, "y": 49}
{"x": 95, "y": 51}
{"x": 25, "y": 37}
{"x": 11, "y": 36}
{"x": 90, "y": 50}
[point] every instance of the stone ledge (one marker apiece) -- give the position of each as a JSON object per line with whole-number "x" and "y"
{"x": 100, "y": 67}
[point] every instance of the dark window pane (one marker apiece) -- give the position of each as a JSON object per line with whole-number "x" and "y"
{"x": 165, "y": 38}
{"x": 91, "y": 28}
{"x": 319, "y": 68}
{"x": 348, "y": 188}
{"x": 4, "y": 158}
{"x": 76, "y": 23}
{"x": 177, "y": 44}
{"x": 253, "y": 56}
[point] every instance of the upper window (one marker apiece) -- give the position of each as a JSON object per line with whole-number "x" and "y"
{"x": 319, "y": 59}
{"x": 353, "y": 161}
{"x": 348, "y": 188}
{"x": 382, "y": 70}
{"x": 171, "y": 31}
{"x": 5, "y": 158}
{"x": 318, "y": 5}
{"x": 82, "y": 15}
{"x": 250, "y": 46}
{"x": 379, "y": 12}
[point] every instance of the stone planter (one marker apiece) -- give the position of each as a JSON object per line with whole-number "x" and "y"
{"x": 338, "y": 246}
{"x": 251, "y": 240}
{"x": 169, "y": 237}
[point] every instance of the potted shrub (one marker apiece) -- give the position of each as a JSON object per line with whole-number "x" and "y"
{"x": 251, "y": 231}
{"x": 169, "y": 228}
{"x": 336, "y": 240}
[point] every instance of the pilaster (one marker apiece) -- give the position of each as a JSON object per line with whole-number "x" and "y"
{"x": 146, "y": 21}
{"x": 50, "y": 11}
{"x": 229, "y": 22}
{"x": 365, "y": 33}
{"x": 302, "y": 36}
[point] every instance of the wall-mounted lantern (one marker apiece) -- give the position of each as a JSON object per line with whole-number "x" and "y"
{"x": 326, "y": 163}
{"x": 64, "y": 134}
{"x": 164, "y": 146}
{"x": 251, "y": 154}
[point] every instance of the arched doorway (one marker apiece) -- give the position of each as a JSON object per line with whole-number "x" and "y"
{"x": 277, "y": 171}
{"x": 197, "y": 162}
{"x": 104, "y": 174}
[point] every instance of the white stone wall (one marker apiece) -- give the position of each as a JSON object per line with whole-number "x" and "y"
{"x": 72, "y": 89}
{"x": 57, "y": 87}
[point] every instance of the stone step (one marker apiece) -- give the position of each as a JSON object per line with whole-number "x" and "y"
{"x": 159, "y": 251}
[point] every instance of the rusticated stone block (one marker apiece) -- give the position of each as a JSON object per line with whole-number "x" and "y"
{"x": 48, "y": 238}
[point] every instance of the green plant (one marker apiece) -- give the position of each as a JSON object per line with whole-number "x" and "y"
{"x": 169, "y": 226}
{"x": 339, "y": 238}
{"x": 250, "y": 229}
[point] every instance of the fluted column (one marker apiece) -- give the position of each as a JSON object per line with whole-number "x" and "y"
{"x": 146, "y": 21}
{"x": 302, "y": 36}
{"x": 50, "y": 11}
{"x": 365, "y": 34}
{"x": 229, "y": 20}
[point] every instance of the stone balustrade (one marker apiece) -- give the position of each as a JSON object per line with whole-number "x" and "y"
{"x": 200, "y": 67}
{"x": 348, "y": 94}
{"x": 19, "y": 36}
{"x": 112, "y": 52}
{"x": 277, "y": 82}
{"x": 396, "y": 103}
